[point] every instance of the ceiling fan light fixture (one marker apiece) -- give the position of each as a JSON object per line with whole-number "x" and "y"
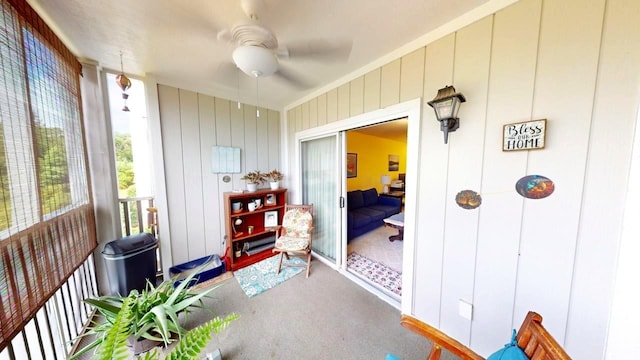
{"x": 255, "y": 60}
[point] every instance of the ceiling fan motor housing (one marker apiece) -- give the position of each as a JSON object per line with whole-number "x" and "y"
{"x": 255, "y": 61}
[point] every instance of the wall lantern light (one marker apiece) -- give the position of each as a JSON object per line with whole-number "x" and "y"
{"x": 446, "y": 105}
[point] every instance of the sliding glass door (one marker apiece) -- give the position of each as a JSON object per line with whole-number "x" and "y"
{"x": 320, "y": 167}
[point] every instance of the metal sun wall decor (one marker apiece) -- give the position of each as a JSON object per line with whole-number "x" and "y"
{"x": 468, "y": 199}
{"x": 124, "y": 83}
{"x": 535, "y": 187}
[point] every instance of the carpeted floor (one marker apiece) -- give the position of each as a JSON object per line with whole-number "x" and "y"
{"x": 325, "y": 316}
{"x": 376, "y": 246}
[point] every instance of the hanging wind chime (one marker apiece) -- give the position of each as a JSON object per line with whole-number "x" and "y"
{"x": 124, "y": 83}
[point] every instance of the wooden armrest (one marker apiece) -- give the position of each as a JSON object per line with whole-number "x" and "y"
{"x": 439, "y": 339}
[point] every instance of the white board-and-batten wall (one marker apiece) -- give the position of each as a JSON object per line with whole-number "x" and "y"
{"x": 191, "y": 125}
{"x": 572, "y": 62}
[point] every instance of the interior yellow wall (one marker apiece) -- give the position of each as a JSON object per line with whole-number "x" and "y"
{"x": 373, "y": 159}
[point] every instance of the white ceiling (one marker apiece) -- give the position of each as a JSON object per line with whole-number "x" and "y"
{"x": 394, "y": 130}
{"x": 175, "y": 40}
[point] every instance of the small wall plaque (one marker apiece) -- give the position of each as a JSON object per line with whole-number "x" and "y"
{"x": 528, "y": 135}
{"x": 225, "y": 159}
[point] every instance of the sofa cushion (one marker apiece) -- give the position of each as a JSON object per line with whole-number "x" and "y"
{"x": 386, "y": 209}
{"x": 358, "y": 220}
{"x": 355, "y": 199}
{"x": 370, "y": 197}
{"x": 374, "y": 215}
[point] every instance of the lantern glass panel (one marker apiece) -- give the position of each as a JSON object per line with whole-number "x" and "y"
{"x": 456, "y": 107}
{"x": 444, "y": 109}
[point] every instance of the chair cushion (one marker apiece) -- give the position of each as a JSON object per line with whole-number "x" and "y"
{"x": 289, "y": 243}
{"x": 510, "y": 351}
{"x": 297, "y": 223}
{"x": 370, "y": 197}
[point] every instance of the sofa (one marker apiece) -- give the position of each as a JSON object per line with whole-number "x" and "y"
{"x": 366, "y": 209}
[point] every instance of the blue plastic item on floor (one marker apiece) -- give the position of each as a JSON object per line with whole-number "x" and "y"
{"x": 209, "y": 266}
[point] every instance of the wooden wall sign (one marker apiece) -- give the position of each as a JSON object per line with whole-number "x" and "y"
{"x": 528, "y": 135}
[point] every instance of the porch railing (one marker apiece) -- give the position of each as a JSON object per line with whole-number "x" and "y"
{"x": 50, "y": 333}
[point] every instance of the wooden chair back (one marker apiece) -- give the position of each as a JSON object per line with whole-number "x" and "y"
{"x": 537, "y": 342}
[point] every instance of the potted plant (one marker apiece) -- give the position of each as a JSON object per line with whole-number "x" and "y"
{"x": 152, "y": 314}
{"x": 114, "y": 343}
{"x": 253, "y": 178}
{"x": 274, "y": 177}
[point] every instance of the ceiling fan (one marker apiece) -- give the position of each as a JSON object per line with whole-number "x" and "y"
{"x": 257, "y": 50}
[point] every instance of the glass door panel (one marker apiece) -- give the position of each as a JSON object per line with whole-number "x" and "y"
{"x": 320, "y": 187}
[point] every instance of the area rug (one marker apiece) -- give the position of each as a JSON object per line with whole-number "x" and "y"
{"x": 376, "y": 272}
{"x": 261, "y": 276}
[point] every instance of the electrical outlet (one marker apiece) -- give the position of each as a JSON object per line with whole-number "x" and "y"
{"x": 465, "y": 309}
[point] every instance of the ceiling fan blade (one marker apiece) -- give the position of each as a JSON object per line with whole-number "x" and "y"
{"x": 228, "y": 74}
{"x": 291, "y": 78}
{"x": 224, "y": 35}
{"x": 319, "y": 50}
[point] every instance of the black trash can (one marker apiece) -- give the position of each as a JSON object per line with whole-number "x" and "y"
{"x": 129, "y": 262}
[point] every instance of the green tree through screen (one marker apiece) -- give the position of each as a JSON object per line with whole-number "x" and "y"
{"x": 53, "y": 168}
{"x": 5, "y": 206}
{"x": 124, "y": 164}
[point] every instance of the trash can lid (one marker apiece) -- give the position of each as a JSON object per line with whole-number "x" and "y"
{"x": 129, "y": 244}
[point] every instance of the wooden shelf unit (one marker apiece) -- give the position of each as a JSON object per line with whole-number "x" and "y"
{"x": 256, "y": 218}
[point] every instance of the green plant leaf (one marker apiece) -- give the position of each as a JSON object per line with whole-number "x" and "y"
{"x": 161, "y": 323}
{"x": 85, "y": 349}
{"x": 196, "y": 339}
{"x": 151, "y": 355}
{"x": 105, "y": 306}
{"x": 114, "y": 344}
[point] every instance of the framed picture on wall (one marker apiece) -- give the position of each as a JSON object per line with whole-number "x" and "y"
{"x": 394, "y": 163}
{"x": 352, "y": 165}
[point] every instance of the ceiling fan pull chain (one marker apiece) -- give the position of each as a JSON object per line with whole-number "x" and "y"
{"x": 238, "y": 85}
{"x": 257, "y": 98}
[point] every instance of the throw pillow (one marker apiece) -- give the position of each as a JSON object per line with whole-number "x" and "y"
{"x": 511, "y": 351}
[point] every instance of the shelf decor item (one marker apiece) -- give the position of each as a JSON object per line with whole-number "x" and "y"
{"x": 274, "y": 177}
{"x": 254, "y": 178}
{"x": 270, "y": 200}
{"x": 270, "y": 218}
